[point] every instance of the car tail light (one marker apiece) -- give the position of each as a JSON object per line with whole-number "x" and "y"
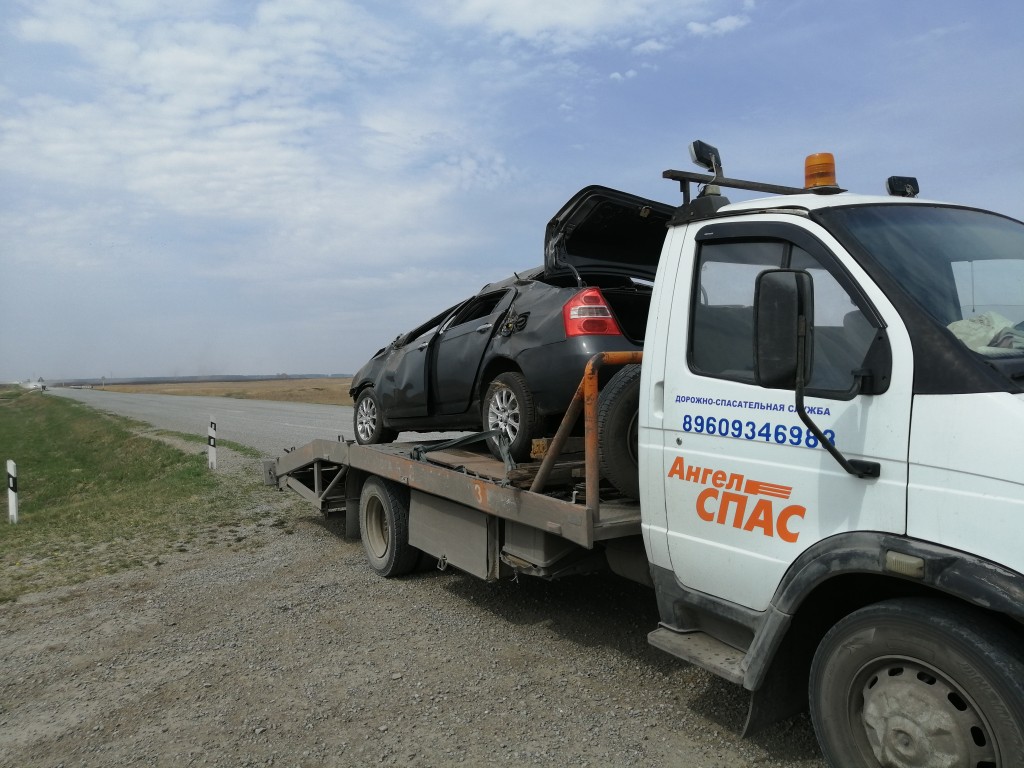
{"x": 588, "y": 314}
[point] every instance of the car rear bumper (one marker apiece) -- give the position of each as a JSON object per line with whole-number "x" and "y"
{"x": 546, "y": 368}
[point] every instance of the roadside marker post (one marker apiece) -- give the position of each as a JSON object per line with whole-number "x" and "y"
{"x": 12, "y": 491}
{"x": 212, "y": 442}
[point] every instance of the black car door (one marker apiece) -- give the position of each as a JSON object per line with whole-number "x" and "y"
{"x": 405, "y": 378}
{"x": 460, "y": 347}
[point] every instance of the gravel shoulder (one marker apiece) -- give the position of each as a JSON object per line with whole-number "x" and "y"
{"x": 270, "y": 642}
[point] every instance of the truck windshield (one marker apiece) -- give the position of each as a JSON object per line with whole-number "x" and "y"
{"x": 964, "y": 267}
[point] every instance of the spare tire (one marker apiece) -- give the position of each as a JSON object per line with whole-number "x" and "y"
{"x": 618, "y": 411}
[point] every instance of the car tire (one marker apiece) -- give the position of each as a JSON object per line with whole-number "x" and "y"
{"x": 508, "y": 406}
{"x": 618, "y": 411}
{"x": 918, "y": 682}
{"x": 368, "y": 420}
{"x": 384, "y": 528}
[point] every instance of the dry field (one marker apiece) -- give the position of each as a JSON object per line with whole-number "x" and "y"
{"x": 324, "y": 391}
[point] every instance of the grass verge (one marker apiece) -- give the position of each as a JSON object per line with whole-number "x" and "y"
{"x": 245, "y": 450}
{"x": 95, "y": 497}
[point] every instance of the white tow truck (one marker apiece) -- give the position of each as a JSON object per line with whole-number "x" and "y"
{"x": 817, "y": 468}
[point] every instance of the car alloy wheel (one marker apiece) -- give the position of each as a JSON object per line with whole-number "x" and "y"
{"x": 508, "y": 409}
{"x": 503, "y": 414}
{"x": 366, "y": 419}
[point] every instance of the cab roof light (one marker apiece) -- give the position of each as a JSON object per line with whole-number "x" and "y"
{"x": 820, "y": 172}
{"x": 902, "y": 186}
{"x": 588, "y": 314}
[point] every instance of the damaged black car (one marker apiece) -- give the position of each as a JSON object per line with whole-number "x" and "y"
{"x": 509, "y": 359}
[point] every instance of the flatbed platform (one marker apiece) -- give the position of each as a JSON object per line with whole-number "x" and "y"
{"x": 543, "y": 495}
{"x": 475, "y": 479}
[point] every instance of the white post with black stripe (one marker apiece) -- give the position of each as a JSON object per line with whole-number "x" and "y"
{"x": 212, "y": 442}
{"x": 12, "y": 491}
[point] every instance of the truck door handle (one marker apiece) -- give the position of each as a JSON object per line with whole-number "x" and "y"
{"x": 423, "y": 345}
{"x": 484, "y": 327}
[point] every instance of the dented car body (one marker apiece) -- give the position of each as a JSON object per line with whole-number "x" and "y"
{"x": 510, "y": 357}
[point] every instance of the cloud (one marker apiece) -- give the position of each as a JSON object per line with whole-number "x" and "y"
{"x": 70, "y": 236}
{"x": 563, "y": 27}
{"x": 216, "y": 110}
{"x": 929, "y": 36}
{"x": 648, "y": 47}
{"x": 722, "y": 26}
{"x": 478, "y": 171}
{"x": 540, "y": 19}
{"x": 294, "y": 152}
{"x": 293, "y": 121}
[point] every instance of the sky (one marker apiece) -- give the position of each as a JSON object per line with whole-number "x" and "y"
{"x": 282, "y": 186}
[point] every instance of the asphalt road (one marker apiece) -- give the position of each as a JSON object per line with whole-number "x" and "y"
{"x": 268, "y": 426}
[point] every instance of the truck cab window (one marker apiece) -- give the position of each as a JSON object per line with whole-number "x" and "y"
{"x": 722, "y": 329}
{"x": 964, "y": 268}
{"x": 991, "y": 306}
{"x": 722, "y": 335}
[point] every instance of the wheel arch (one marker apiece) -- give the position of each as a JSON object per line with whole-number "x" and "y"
{"x": 902, "y": 560}
{"x": 494, "y": 367}
{"x": 842, "y": 574}
{"x": 357, "y": 389}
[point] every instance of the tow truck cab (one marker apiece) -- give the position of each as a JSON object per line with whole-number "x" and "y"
{"x": 888, "y": 330}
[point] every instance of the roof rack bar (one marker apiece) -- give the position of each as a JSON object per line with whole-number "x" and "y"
{"x": 685, "y": 177}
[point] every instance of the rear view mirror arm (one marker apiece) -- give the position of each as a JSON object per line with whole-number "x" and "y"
{"x": 856, "y": 467}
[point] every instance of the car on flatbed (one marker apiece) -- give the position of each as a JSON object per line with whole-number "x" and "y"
{"x": 828, "y": 421}
{"x": 510, "y": 358}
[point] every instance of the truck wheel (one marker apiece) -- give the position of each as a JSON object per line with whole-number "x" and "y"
{"x": 508, "y": 407}
{"x": 368, "y": 420}
{"x": 915, "y": 682}
{"x": 384, "y": 527}
{"x": 618, "y": 411}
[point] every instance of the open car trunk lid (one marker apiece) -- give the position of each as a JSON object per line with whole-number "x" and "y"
{"x": 604, "y": 230}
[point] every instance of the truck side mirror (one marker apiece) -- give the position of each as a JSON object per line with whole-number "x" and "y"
{"x": 783, "y": 318}
{"x": 783, "y": 341}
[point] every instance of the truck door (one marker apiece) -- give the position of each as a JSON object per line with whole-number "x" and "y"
{"x": 747, "y": 487}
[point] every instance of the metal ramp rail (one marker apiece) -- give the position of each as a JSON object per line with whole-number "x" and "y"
{"x": 316, "y": 471}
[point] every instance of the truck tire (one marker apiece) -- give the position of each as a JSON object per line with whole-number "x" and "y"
{"x": 915, "y": 682}
{"x": 368, "y": 420}
{"x": 508, "y": 407}
{"x": 384, "y": 527}
{"x": 618, "y": 411}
